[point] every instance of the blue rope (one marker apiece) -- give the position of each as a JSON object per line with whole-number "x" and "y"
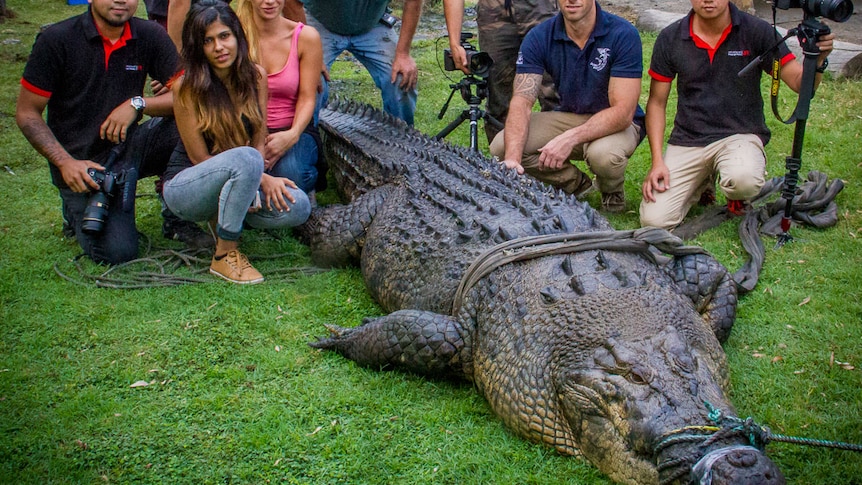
{"x": 760, "y": 436}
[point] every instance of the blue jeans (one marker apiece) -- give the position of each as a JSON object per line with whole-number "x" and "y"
{"x": 299, "y": 164}
{"x": 375, "y": 49}
{"x": 225, "y": 186}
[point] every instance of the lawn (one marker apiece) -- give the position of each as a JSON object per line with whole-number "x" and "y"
{"x": 234, "y": 395}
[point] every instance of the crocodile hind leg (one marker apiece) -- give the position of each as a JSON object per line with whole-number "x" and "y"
{"x": 418, "y": 341}
{"x": 711, "y": 289}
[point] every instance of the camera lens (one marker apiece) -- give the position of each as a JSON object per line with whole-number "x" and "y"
{"x": 93, "y": 221}
{"x": 836, "y": 10}
{"x": 480, "y": 63}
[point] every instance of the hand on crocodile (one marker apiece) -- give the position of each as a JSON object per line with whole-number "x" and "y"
{"x": 513, "y": 165}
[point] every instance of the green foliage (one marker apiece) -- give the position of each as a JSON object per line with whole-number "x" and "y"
{"x": 235, "y": 396}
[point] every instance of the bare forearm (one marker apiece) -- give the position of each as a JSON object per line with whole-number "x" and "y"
{"x": 606, "y": 122}
{"x": 517, "y": 128}
{"x": 162, "y": 105}
{"x": 453, "y": 10}
{"x": 656, "y": 122}
{"x": 409, "y": 22}
{"x": 177, "y": 11}
{"x": 304, "y": 113}
{"x": 42, "y": 139}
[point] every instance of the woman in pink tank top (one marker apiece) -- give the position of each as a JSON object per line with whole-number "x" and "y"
{"x": 292, "y": 56}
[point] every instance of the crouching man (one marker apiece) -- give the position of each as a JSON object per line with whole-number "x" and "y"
{"x": 90, "y": 71}
{"x": 596, "y": 62}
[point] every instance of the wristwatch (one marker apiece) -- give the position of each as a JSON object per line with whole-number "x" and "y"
{"x": 139, "y": 104}
{"x": 822, "y": 68}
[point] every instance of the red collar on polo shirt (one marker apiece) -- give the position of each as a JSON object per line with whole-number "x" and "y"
{"x": 702, "y": 44}
{"x": 110, "y": 47}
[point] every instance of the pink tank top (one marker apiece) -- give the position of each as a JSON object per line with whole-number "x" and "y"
{"x": 284, "y": 89}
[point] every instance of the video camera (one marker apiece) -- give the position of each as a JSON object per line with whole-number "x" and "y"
{"x": 836, "y": 10}
{"x": 478, "y": 63}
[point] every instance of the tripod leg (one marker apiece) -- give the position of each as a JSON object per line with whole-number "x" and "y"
{"x": 794, "y": 162}
{"x": 475, "y": 114}
{"x": 493, "y": 121}
{"x": 451, "y": 126}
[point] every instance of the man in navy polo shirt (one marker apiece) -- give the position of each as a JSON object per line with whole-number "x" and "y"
{"x": 719, "y": 127}
{"x": 89, "y": 71}
{"x": 596, "y": 61}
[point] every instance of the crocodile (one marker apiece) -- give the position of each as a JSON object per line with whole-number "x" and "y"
{"x": 602, "y": 344}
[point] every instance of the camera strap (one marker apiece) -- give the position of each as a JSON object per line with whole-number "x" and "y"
{"x": 773, "y": 92}
{"x": 130, "y": 185}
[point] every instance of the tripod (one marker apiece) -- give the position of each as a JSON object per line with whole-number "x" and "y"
{"x": 807, "y": 33}
{"x": 473, "y": 113}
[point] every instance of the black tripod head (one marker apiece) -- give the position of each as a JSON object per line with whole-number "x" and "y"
{"x": 465, "y": 87}
{"x": 473, "y": 91}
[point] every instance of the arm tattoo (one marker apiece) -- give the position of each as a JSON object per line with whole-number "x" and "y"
{"x": 527, "y": 86}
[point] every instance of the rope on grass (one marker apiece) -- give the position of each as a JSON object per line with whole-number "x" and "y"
{"x": 813, "y": 205}
{"x": 159, "y": 268}
{"x": 701, "y": 459}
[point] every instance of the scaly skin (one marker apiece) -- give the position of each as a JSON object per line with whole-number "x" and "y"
{"x": 600, "y": 353}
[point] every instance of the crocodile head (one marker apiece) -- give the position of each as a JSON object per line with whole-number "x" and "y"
{"x": 635, "y": 393}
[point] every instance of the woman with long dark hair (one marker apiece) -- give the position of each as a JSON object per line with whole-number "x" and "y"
{"x": 217, "y": 171}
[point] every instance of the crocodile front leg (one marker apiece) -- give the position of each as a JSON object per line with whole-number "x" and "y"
{"x": 336, "y": 233}
{"x": 418, "y": 341}
{"x": 711, "y": 289}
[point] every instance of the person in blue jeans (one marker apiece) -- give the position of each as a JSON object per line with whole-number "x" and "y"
{"x": 217, "y": 172}
{"x": 366, "y": 30}
{"x": 291, "y": 54}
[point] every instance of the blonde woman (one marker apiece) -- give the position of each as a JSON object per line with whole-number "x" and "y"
{"x": 292, "y": 56}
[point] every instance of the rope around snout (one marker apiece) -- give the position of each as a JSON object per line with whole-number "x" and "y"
{"x": 725, "y": 427}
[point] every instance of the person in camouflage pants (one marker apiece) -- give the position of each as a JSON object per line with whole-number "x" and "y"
{"x": 502, "y": 26}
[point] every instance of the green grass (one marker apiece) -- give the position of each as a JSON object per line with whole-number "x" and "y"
{"x": 236, "y": 396}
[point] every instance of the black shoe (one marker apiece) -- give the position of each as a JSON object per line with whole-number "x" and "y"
{"x": 68, "y": 231}
{"x": 188, "y": 233}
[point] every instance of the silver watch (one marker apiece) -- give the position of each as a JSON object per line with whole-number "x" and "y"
{"x": 139, "y": 103}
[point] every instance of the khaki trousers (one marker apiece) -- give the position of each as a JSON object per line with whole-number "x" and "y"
{"x": 607, "y": 157}
{"x": 738, "y": 160}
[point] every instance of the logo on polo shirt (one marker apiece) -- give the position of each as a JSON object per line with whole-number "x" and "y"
{"x": 742, "y": 53}
{"x": 134, "y": 67}
{"x": 602, "y": 60}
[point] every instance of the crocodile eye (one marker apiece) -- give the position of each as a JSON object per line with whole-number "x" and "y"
{"x": 684, "y": 362}
{"x": 639, "y": 375}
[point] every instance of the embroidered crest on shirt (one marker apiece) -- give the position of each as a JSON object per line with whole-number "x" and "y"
{"x": 602, "y": 60}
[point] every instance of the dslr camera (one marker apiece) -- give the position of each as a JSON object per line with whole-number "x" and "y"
{"x": 835, "y": 10}
{"x": 478, "y": 63}
{"x": 98, "y": 204}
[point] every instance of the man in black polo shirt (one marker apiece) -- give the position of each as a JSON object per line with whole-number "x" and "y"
{"x": 719, "y": 129}
{"x": 89, "y": 71}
